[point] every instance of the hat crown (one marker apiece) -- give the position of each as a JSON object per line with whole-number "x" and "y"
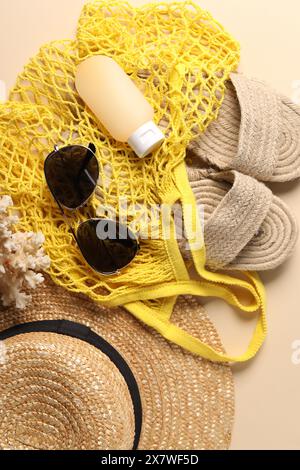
{"x": 61, "y": 392}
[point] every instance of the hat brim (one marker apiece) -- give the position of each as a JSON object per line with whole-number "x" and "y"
{"x": 187, "y": 402}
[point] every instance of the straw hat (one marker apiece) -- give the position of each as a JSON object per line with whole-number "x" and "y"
{"x": 74, "y": 375}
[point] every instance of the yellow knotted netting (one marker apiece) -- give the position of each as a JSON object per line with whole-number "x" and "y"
{"x": 180, "y": 58}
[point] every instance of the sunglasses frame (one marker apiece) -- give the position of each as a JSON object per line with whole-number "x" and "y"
{"x": 91, "y": 147}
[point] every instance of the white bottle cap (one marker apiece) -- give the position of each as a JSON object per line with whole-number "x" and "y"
{"x": 146, "y": 139}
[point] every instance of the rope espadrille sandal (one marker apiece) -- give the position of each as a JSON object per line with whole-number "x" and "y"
{"x": 246, "y": 227}
{"x": 257, "y": 133}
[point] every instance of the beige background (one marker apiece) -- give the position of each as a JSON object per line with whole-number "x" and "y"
{"x": 267, "y": 389}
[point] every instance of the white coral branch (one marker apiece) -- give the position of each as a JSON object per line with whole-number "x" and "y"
{"x": 21, "y": 257}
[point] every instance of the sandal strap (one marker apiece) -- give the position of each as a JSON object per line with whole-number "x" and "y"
{"x": 259, "y": 129}
{"x": 237, "y": 219}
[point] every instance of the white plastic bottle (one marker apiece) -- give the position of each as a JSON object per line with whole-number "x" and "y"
{"x": 118, "y": 104}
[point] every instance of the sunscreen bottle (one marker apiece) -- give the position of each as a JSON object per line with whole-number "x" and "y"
{"x": 118, "y": 104}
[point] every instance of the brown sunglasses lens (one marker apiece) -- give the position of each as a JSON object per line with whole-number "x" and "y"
{"x": 71, "y": 174}
{"x": 106, "y": 245}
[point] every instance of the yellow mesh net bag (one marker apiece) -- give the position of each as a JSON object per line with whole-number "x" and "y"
{"x": 180, "y": 58}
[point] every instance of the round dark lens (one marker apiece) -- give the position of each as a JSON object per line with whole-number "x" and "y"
{"x": 71, "y": 174}
{"x": 106, "y": 245}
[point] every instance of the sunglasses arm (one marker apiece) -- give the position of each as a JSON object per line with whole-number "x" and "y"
{"x": 89, "y": 154}
{"x": 66, "y": 220}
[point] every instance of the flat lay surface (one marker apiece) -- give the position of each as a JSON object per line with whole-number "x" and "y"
{"x": 267, "y": 389}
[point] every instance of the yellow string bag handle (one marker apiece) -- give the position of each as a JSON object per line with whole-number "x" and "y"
{"x": 211, "y": 285}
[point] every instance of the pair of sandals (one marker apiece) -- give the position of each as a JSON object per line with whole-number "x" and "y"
{"x": 255, "y": 139}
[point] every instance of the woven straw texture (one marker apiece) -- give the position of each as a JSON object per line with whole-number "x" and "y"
{"x": 180, "y": 57}
{"x": 60, "y": 393}
{"x": 246, "y": 227}
{"x": 57, "y": 393}
{"x": 257, "y": 133}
